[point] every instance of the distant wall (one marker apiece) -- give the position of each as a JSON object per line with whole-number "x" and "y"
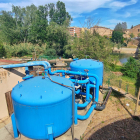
{"x": 102, "y": 30}
{"x": 135, "y": 30}
{"x": 8, "y": 79}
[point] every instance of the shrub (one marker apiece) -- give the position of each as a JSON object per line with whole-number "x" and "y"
{"x": 131, "y": 68}
{"x": 132, "y": 35}
{"x": 2, "y": 50}
{"x": 124, "y": 45}
{"x": 23, "y": 49}
{"x": 50, "y": 52}
{"x": 93, "y": 45}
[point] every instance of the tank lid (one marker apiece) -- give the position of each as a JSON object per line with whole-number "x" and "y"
{"x": 86, "y": 63}
{"x": 40, "y": 91}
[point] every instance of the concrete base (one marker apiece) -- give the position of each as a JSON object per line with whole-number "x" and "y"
{"x": 6, "y": 133}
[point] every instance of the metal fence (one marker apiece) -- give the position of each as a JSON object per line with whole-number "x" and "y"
{"x": 112, "y": 80}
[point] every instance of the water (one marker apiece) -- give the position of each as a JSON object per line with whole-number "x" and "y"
{"x": 124, "y": 57}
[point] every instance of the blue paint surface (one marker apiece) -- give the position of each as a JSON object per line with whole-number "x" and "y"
{"x": 40, "y": 103}
{"x": 94, "y": 67}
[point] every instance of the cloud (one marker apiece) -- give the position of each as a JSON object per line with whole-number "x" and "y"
{"x": 120, "y": 4}
{"x": 115, "y": 21}
{"x": 124, "y": 15}
{"x": 111, "y": 26}
{"x": 75, "y": 7}
{"x": 127, "y": 14}
{"x": 6, "y": 6}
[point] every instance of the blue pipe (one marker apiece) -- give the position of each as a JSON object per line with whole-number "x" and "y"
{"x": 77, "y": 91}
{"x": 96, "y": 91}
{"x": 75, "y": 116}
{"x": 16, "y": 134}
{"x": 87, "y": 102}
{"x": 79, "y": 81}
{"x": 27, "y": 71}
{"x": 34, "y": 63}
{"x": 81, "y": 74}
{"x": 45, "y": 64}
{"x": 80, "y": 117}
{"x": 87, "y": 92}
{"x": 75, "y": 59}
{"x": 83, "y": 93}
{"x": 91, "y": 108}
{"x": 84, "y": 104}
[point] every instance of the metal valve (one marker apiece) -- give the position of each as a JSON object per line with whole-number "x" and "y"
{"x": 68, "y": 68}
{"x": 86, "y": 70}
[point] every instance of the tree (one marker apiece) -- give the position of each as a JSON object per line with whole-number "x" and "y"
{"x": 96, "y": 47}
{"x": 38, "y": 28}
{"x": 57, "y": 37}
{"x": 28, "y": 24}
{"x": 132, "y": 27}
{"x": 50, "y": 52}
{"x": 75, "y": 35}
{"x": 117, "y": 37}
{"x": 127, "y": 40}
{"x": 138, "y": 34}
{"x": 132, "y": 35}
{"x": 8, "y": 27}
{"x": 131, "y": 68}
{"x": 2, "y": 50}
{"x": 121, "y": 26}
{"x": 117, "y": 34}
{"x": 59, "y": 14}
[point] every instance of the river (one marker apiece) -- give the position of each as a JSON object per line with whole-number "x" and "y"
{"x": 124, "y": 57}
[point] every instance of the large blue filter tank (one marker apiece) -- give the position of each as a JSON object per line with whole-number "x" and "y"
{"x": 93, "y": 67}
{"x": 42, "y": 107}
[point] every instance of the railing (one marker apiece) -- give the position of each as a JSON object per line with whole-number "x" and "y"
{"x": 116, "y": 82}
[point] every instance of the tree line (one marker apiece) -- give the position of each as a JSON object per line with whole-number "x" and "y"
{"x": 28, "y": 24}
{"x": 44, "y": 30}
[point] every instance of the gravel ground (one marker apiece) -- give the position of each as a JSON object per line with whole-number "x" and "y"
{"x": 116, "y": 122}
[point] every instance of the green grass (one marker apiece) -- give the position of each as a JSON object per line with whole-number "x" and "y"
{"x": 126, "y": 82}
{"x": 28, "y": 55}
{"x": 118, "y": 109}
{"x": 118, "y": 68}
{"x": 132, "y": 46}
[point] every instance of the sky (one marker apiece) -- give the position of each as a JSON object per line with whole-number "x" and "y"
{"x": 106, "y": 13}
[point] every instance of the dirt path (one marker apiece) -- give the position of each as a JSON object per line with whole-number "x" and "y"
{"x": 9, "y": 61}
{"x": 115, "y": 122}
{"x": 126, "y": 50}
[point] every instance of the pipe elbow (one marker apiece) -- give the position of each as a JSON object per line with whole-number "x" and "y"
{"x": 100, "y": 108}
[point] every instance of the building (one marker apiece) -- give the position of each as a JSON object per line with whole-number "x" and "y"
{"x": 102, "y": 30}
{"x": 75, "y": 31}
{"x": 135, "y": 30}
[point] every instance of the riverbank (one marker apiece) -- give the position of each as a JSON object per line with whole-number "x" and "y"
{"x": 125, "y": 50}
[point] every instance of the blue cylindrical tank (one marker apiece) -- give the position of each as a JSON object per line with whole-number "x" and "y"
{"x": 40, "y": 104}
{"x": 94, "y": 67}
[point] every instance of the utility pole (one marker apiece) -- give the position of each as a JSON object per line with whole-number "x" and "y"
{"x": 137, "y": 102}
